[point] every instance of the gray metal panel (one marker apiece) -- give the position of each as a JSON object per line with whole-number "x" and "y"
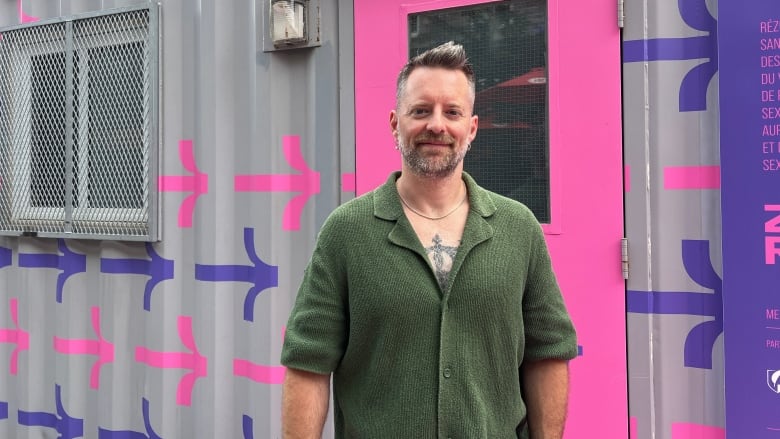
{"x": 235, "y": 104}
{"x": 665, "y": 387}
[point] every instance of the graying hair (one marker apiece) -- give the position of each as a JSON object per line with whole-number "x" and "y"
{"x": 448, "y": 56}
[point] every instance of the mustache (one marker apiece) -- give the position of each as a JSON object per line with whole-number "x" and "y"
{"x": 424, "y": 138}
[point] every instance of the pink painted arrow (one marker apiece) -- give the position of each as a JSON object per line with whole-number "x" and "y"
{"x": 24, "y": 18}
{"x": 17, "y": 336}
{"x": 197, "y": 183}
{"x": 348, "y": 182}
{"x": 691, "y": 177}
{"x": 307, "y": 183}
{"x": 100, "y": 347}
{"x": 259, "y": 372}
{"x": 193, "y": 361}
{"x": 696, "y": 431}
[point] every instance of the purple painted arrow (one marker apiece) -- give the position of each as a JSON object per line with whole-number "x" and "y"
{"x": 69, "y": 263}
{"x": 701, "y": 339}
{"x": 197, "y": 183}
{"x": 693, "y": 89}
{"x": 259, "y": 274}
{"x": 3, "y": 410}
{"x": 157, "y": 268}
{"x": 100, "y": 347}
{"x": 67, "y": 427}
{"x": 307, "y": 183}
{"x": 16, "y": 336}
{"x": 6, "y": 257}
{"x": 247, "y": 425}
{"x": 193, "y": 361}
{"x": 150, "y": 434}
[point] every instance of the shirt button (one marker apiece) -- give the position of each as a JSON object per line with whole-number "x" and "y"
{"x": 447, "y": 372}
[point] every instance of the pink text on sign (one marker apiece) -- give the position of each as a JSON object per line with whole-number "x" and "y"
{"x": 772, "y": 240}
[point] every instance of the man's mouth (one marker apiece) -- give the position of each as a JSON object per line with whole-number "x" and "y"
{"x": 433, "y": 142}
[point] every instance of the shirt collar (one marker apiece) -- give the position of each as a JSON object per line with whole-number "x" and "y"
{"x": 387, "y": 204}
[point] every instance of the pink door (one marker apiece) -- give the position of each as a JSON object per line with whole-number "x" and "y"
{"x": 548, "y": 97}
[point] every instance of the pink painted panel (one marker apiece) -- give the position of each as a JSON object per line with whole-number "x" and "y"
{"x": 585, "y": 131}
{"x": 587, "y": 177}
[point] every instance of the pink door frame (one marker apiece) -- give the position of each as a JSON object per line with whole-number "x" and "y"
{"x": 586, "y": 177}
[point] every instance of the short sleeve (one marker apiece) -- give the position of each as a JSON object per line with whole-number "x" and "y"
{"x": 549, "y": 332}
{"x": 316, "y": 332}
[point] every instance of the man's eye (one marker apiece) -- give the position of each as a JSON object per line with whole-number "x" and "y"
{"x": 454, "y": 113}
{"x": 419, "y": 111}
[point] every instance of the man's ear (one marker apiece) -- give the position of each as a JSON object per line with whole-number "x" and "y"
{"x": 394, "y": 122}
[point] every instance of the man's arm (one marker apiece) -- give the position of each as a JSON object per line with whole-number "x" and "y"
{"x": 545, "y": 390}
{"x": 305, "y": 398}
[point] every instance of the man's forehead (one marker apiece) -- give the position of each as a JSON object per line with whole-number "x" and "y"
{"x": 419, "y": 72}
{"x": 420, "y": 87}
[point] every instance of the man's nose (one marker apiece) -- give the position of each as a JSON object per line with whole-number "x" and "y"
{"x": 436, "y": 122}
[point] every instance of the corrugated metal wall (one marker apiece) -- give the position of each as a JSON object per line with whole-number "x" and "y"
{"x": 673, "y": 219}
{"x": 188, "y": 331}
{"x": 181, "y": 338}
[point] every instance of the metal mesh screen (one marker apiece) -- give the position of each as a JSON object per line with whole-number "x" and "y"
{"x": 78, "y": 127}
{"x": 507, "y": 44}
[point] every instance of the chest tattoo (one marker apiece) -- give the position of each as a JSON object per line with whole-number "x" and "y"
{"x": 441, "y": 257}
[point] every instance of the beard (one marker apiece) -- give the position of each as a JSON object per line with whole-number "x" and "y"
{"x": 430, "y": 165}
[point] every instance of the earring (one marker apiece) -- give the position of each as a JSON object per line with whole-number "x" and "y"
{"x": 468, "y": 147}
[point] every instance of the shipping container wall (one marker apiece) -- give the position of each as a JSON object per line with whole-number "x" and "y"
{"x": 181, "y": 338}
{"x": 672, "y": 199}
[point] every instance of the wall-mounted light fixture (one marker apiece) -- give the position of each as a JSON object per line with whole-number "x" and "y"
{"x": 291, "y": 24}
{"x": 288, "y": 22}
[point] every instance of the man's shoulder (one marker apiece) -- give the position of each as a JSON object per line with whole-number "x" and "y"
{"x": 350, "y": 216}
{"x": 359, "y": 206}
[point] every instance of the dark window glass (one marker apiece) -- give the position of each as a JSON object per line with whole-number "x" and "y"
{"x": 116, "y": 126}
{"x": 47, "y": 161}
{"x": 507, "y": 44}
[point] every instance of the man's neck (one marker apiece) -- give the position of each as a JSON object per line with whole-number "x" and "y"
{"x": 431, "y": 193}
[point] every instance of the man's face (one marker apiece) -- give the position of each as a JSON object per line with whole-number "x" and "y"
{"x": 433, "y": 122}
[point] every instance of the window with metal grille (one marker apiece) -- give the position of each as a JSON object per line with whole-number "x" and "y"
{"x": 506, "y": 42}
{"x": 79, "y": 126}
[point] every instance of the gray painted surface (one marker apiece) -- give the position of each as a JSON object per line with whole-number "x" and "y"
{"x": 663, "y": 391}
{"x": 235, "y": 103}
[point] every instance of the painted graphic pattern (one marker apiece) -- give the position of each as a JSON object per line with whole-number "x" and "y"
{"x": 682, "y": 60}
{"x": 152, "y": 311}
{"x": 85, "y": 323}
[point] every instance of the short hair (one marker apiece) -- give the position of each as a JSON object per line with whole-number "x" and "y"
{"x": 450, "y": 56}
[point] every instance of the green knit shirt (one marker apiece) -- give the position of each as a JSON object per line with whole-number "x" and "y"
{"x": 408, "y": 359}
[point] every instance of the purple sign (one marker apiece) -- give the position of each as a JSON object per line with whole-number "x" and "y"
{"x": 749, "y": 61}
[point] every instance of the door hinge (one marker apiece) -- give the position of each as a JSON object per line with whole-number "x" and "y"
{"x": 621, "y": 16}
{"x": 624, "y": 257}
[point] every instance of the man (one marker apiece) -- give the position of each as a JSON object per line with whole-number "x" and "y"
{"x": 430, "y": 300}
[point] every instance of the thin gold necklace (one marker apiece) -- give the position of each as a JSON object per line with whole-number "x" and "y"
{"x": 434, "y": 218}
